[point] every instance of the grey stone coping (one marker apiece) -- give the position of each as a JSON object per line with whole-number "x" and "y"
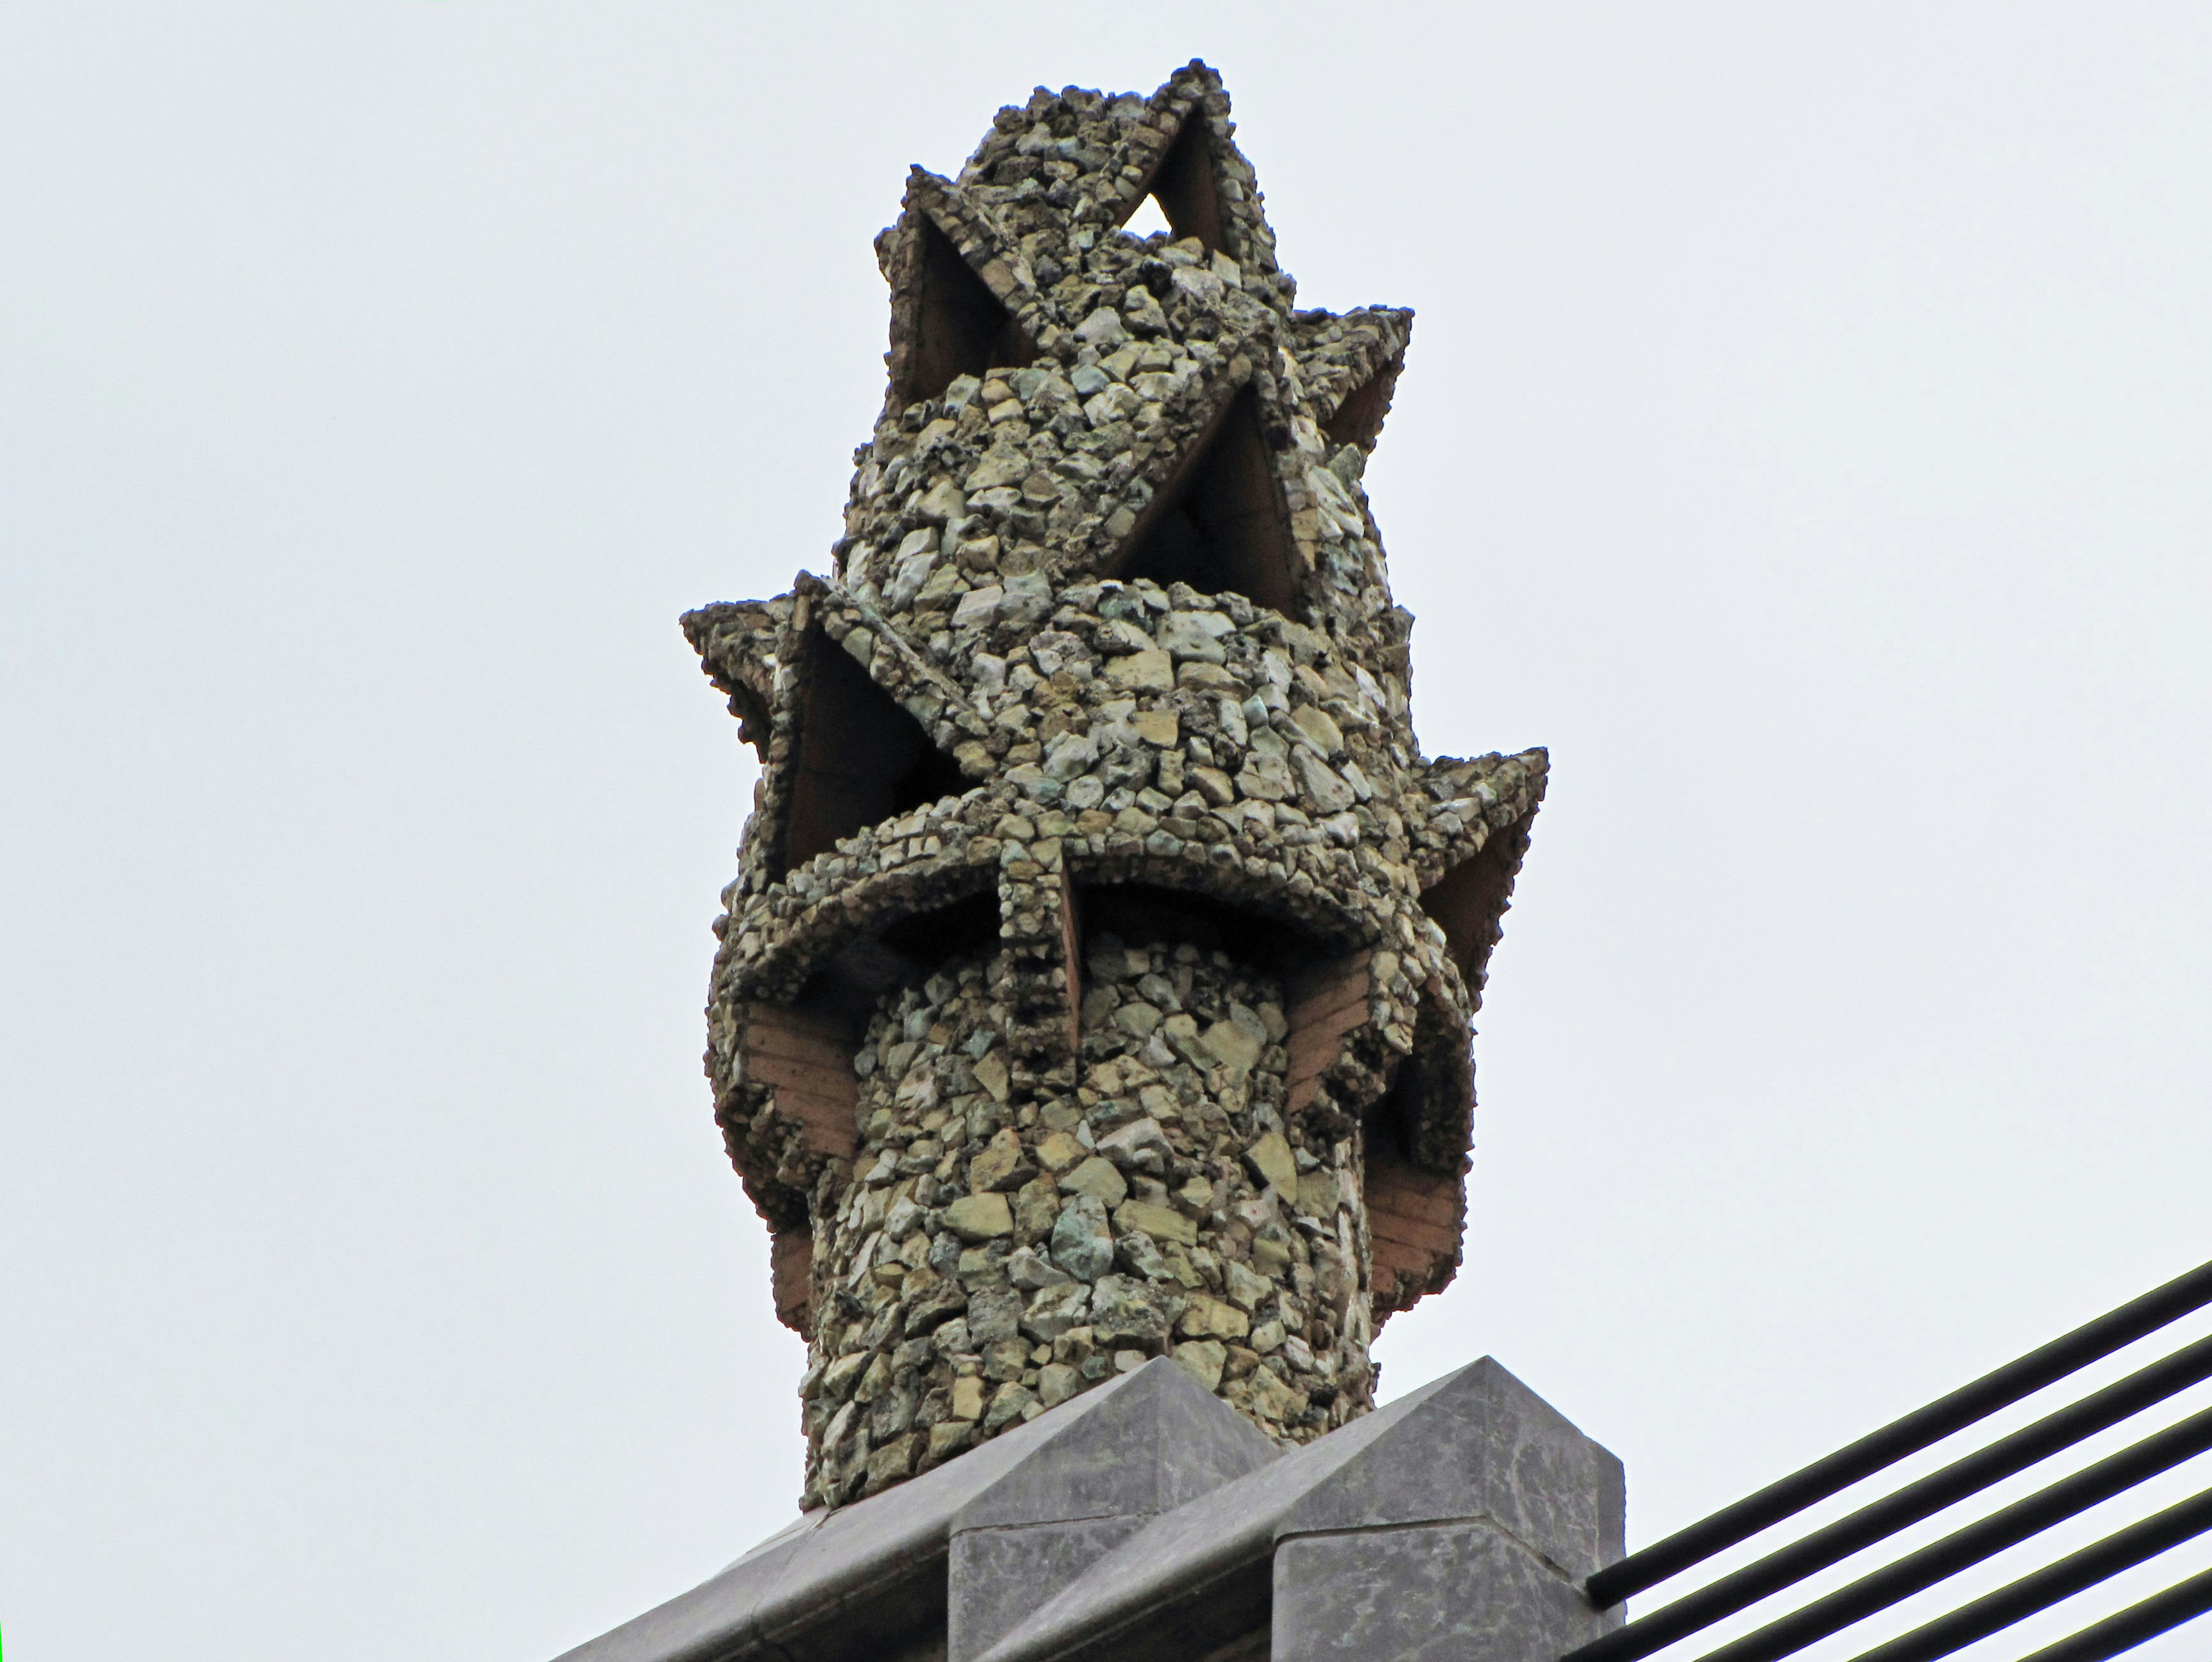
{"x": 1147, "y": 1519}
{"x": 1474, "y": 1445}
{"x": 875, "y": 1571}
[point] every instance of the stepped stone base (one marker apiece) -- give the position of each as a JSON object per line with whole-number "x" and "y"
{"x": 1149, "y": 1519}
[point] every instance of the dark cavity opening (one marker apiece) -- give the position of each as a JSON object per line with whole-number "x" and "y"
{"x": 865, "y": 969}
{"x": 1144, "y": 914}
{"x": 1358, "y": 419}
{"x": 960, "y": 327}
{"x": 927, "y": 938}
{"x": 1219, "y": 523}
{"x": 1432, "y": 1089}
{"x": 1184, "y": 186}
{"x": 1390, "y": 1121}
{"x": 859, "y": 759}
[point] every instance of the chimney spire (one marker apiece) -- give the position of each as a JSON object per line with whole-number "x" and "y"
{"x": 1096, "y": 981}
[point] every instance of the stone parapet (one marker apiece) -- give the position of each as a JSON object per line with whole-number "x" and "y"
{"x": 1148, "y": 1519}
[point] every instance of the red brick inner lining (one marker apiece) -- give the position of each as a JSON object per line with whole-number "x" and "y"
{"x": 1416, "y": 1136}
{"x": 1414, "y": 1211}
{"x": 805, "y": 1061}
{"x": 802, "y": 1052}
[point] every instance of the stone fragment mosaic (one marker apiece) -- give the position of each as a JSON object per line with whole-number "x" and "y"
{"x": 1097, "y": 980}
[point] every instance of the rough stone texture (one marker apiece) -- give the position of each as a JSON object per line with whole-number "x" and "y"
{"x": 1097, "y": 978}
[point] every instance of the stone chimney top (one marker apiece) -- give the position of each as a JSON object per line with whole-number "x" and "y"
{"x": 1096, "y": 981}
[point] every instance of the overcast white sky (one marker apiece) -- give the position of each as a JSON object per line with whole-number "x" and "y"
{"x": 1805, "y": 435}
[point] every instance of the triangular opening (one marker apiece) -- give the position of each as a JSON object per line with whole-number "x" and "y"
{"x": 1218, "y": 524}
{"x": 1149, "y": 220}
{"x": 860, "y": 758}
{"x": 960, "y": 327}
{"x": 1358, "y": 419}
{"x": 1183, "y": 187}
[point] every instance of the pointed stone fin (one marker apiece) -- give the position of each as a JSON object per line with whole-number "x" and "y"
{"x": 1182, "y": 154}
{"x": 738, "y": 643}
{"x": 1476, "y": 835}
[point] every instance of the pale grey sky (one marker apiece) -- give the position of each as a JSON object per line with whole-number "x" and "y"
{"x": 1805, "y": 436}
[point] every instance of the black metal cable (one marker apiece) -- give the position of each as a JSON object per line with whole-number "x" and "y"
{"x": 1923, "y": 1499}
{"x": 1966, "y": 1547}
{"x": 1995, "y": 1611}
{"x": 1892, "y": 1442}
{"x": 2138, "y": 1624}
